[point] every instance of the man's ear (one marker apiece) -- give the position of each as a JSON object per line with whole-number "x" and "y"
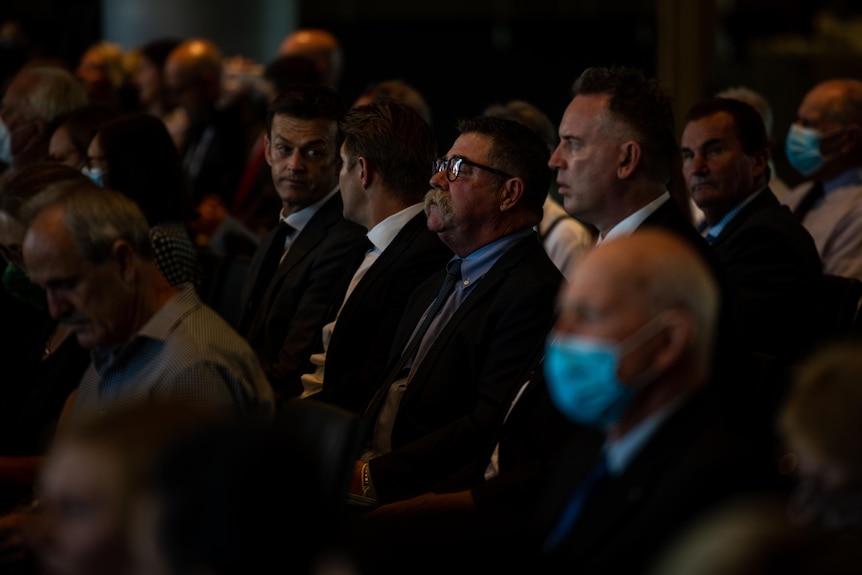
{"x": 266, "y": 153}
{"x": 679, "y": 336}
{"x": 511, "y": 193}
{"x": 367, "y": 173}
{"x": 631, "y": 155}
{"x": 759, "y": 161}
{"x": 125, "y": 256}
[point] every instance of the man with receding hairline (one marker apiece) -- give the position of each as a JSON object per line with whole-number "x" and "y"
{"x": 319, "y": 45}
{"x": 216, "y": 142}
{"x": 631, "y": 355}
{"x": 825, "y": 145}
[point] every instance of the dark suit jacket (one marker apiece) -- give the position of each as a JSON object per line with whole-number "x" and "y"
{"x": 360, "y": 346}
{"x": 464, "y": 384}
{"x": 693, "y": 462}
{"x": 222, "y": 164}
{"x": 286, "y": 323}
{"x": 733, "y": 363}
{"x": 773, "y": 267}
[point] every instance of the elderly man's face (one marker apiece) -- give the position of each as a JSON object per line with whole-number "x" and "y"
{"x": 603, "y": 303}
{"x": 94, "y": 299}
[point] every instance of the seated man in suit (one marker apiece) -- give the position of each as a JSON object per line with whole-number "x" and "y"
{"x": 630, "y": 355}
{"x": 770, "y": 259}
{"x": 614, "y": 163}
{"x": 457, "y": 372}
{"x": 294, "y": 271}
{"x": 385, "y": 157}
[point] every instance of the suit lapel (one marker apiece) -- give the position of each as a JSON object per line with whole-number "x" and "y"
{"x": 312, "y": 234}
{"x": 498, "y": 272}
{"x": 762, "y": 201}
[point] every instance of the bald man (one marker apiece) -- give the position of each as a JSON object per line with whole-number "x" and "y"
{"x": 825, "y": 145}
{"x": 319, "y": 45}
{"x": 630, "y": 355}
{"x": 217, "y": 141}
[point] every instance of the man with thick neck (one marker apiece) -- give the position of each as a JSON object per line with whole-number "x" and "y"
{"x": 89, "y": 248}
{"x": 825, "y": 145}
{"x": 294, "y": 272}
{"x": 451, "y": 380}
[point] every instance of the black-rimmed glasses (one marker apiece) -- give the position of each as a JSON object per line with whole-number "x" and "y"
{"x": 453, "y": 167}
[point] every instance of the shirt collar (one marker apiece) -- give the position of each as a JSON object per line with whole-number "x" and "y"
{"x": 852, "y": 177}
{"x": 715, "y": 230}
{"x": 385, "y": 231}
{"x": 631, "y": 222}
{"x": 477, "y": 264}
{"x": 297, "y": 220}
{"x": 619, "y": 453}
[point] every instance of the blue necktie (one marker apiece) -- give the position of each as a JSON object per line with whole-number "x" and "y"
{"x": 576, "y": 502}
{"x": 453, "y": 274}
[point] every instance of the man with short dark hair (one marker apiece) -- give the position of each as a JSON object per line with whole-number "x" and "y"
{"x": 385, "y": 158}
{"x": 614, "y": 163}
{"x": 294, "y": 272}
{"x": 771, "y": 262}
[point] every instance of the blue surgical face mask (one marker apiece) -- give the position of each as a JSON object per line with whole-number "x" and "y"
{"x": 95, "y": 174}
{"x": 581, "y": 375}
{"x": 5, "y": 144}
{"x": 802, "y": 147}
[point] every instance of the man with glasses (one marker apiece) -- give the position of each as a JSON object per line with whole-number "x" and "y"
{"x": 449, "y": 377}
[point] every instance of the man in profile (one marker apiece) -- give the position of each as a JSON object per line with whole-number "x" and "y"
{"x": 385, "y": 156}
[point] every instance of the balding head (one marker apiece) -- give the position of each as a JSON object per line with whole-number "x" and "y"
{"x": 319, "y": 45}
{"x": 834, "y": 109}
{"x": 193, "y": 73}
{"x": 652, "y": 296}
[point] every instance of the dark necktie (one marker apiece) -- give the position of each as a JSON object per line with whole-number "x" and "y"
{"x": 808, "y": 201}
{"x": 267, "y": 270}
{"x": 709, "y": 238}
{"x": 453, "y": 274}
{"x": 575, "y": 504}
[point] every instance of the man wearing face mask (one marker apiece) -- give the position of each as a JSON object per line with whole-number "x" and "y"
{"x": 825, "y": 145}
{"x": 630, "y": 355}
